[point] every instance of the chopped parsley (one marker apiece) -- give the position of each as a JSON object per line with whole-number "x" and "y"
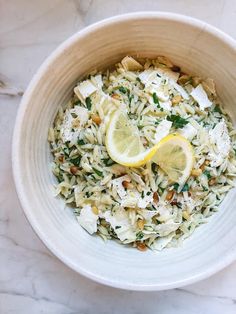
{"x": 155, "y": 99}
{"x": 77, "y": 103}
{"x": 207, "y": 173}
{"x": 217, "y": 109}
{"x": 99, "y": 173}
{"x": 139, "y": 235}
{"x": 108, "y": 162}
{"x": 81, "y": 142}
{"x": 88, "y": 103}
{"x": 177, "y": 121}
{"x": 117, "y": 227}
{"x": 123, "y": 89}
{"x": 184, "y": 188}
{"x": 76, "y": 161}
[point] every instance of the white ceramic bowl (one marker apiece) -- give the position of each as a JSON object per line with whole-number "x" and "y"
{"x": 197, "y": 48}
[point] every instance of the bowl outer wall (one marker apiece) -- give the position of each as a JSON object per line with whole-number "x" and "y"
{"x": 216, "y": 265}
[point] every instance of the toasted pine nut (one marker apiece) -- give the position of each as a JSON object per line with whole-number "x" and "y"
{"x": 141, "y": 246}
{"x": 73, "y": 169}
{"x": 96, "y": 119}
{"x": 169, "y": 195}
{"x": 196, "y": 81}
{"x": 212, "y": 181}
{"x": 185, "y": 215}
{"x": 176, "y": 99}
{"x": 196, "y": 172}
{"x": 183, "y": 79}
{"x": 115, "y": 96}
{"x": 207, "y": 162}
{"x": 140, "y": 224}
{"x": 127, "y": 185}
{"x": 95, "y": 210}
{"x": 61, "y": 158}
{"x": 155, "y": 197}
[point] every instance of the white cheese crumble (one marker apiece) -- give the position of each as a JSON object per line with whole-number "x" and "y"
{"x": 87, "y": 219}
{"x": 129, "y": 64}
{"x": 179, "y": 89}
{"x": 219, "y": 138}
{"x": 162, "y": 130}
{"x": 188, "y": 131}
{"x": 144, "y": 201}
{"x": 118, "y": 186}
{"x": 200, "y": 96}
{"x": 120, "y": 222}
{"x": 84, "y": 90}
{"x": 71, "y": 126}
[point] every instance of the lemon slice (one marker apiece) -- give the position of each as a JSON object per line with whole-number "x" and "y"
{"x": 175, "y": 156}
{"x": 123, "y": 142}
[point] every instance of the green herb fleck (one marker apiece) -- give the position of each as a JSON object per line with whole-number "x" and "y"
{"x": 117, "y": 227}
{"x": 155, "y": 99}
{"x": 77, "y": 103}
{"x": 81, "y": 142}
{"x": 184, "y": 188}
{"x": 88, "y": 103}
{"x": 76, "y": 161}
{"x": 176, "y": 186}
{"x": 148, "y": 193}
{"x": 108, "y": 162}
{"x": 207, "y": 173}
{"x": 142, "y": 194}
{"x": 139, "y": 235}
{"x": 99, "y": 173}
{"x": 123, "y": 89}
{"x": 178, "y": 122}
{"x": 217, "y": 109}
{"x": 154, "y": 168}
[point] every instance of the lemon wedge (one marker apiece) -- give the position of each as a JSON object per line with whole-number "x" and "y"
{"x": 123, "y": 142}
{"x": 175, "y": 156}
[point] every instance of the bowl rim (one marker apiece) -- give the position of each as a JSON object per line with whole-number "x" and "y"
{"x": 25, "y": 204}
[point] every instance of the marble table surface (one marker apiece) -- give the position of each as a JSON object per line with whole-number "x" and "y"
{"x": 32, "y": 280}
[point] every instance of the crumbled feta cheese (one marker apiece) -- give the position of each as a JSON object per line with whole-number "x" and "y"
{"x": 117, "y": 184}
{"x": 166, "y": 228}
{"x": 219, "y": 138}
{"x": 87, "y": 219}
{"x": 162, "y": 130}
{"x": 169, "y": 74}
{"x": 188, "y": 131}
{"x": 164, "y": 212}
{"x": 82, "y": 114}
{"x": 121, "y": 224}
{"x": 130, "y": 64}
{"x": 97, "y": 80}
{"x": 179, "y": 89}
{"x": 147, "y": 214}
{"x": 84, "y": 90}
{"x": 144, "y": 201}
{"x": 150, "y": 78}
{"x": 200, "y": 96}
{"x": 71, "y": 126}
{"x": 160, "y": 243}
{"x": 130, "y": 199}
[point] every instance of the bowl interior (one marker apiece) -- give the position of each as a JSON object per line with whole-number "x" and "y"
{"x": 198, "y": 49}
